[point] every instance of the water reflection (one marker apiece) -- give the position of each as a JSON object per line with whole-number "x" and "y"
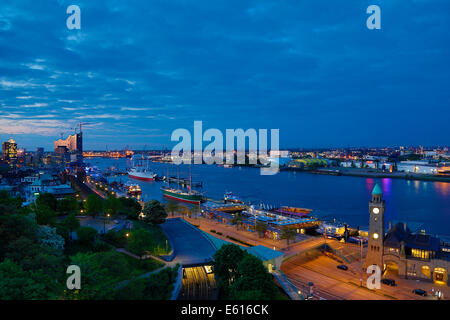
{"x": 443, "y": 188}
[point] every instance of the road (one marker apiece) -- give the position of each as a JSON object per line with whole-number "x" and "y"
{"x": 335, "y": 284}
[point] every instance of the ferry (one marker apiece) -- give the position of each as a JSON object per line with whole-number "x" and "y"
{"x": 141, "y": 173}
{"x": 293, "y": 211}
{"x": 133, "y": 189}
{"x": 190, "y": 196}
{"x": 229, "y": 197}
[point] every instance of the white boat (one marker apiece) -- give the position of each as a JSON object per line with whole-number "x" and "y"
{"x": 141, "y": 173}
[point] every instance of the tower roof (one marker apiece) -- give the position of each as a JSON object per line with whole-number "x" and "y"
{"x": 377, "y": 190}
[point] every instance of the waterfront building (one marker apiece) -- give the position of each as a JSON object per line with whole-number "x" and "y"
{"x": 74, "y": 145}
{"x": 401, "y": 252}
{"x": 9, "y": 149}
{"x": 424, "y": 167}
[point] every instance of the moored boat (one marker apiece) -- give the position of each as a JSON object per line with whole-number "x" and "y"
{"x": 293, "y": 211}
{"x": 228, "y": 197}
{"x": 190, "y": 196}
{"x": 141, "y": 173}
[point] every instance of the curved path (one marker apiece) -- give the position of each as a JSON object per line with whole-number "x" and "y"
{"x": 190, "y": 245}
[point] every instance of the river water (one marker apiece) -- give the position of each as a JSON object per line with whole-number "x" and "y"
{"x": 421, "y": 204}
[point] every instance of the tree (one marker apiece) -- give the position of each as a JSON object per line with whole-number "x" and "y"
{"x": 195, "y": 210}
{"x": 47, "y": 199}
{"x": 172, "y": 207}
{"x": 154, "y": 212}
{"x": 226, "y": 262}
{"x": 112, "y": 205}
{"x": 45, "y": 215}
{"x": 71, "y": 223}
{"x": 140, "y": 242}
{"x": 288, "y": 234}
{"x": 67, "y": 205}
{"x": 48, "y": 237}
{"x": 261, "y": 228}
{"x": 97, "y": 282}
{"x": 86, "y": 235}
{"x": 18, "y": 284}
{"x": 94, "y": 205}
{"x": 253, "y": 281}
{"x": 237, "y": 220}
{"x": 130, "y": 207}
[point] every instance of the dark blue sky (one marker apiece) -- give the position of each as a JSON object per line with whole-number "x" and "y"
{"x": 137, "y": 70}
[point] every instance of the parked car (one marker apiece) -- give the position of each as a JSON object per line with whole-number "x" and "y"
{"x": 389, "y": 282}
{"x": 342, "y": 267}
{"x": 420, "y": 292}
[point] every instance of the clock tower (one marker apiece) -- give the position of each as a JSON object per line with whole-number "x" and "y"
{"x": 375, "y": 248}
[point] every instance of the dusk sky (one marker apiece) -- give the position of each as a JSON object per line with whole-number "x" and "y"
{"x": 137, "y": 70}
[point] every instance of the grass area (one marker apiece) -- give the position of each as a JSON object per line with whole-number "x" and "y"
{"x": 158, "y": 236}
{"x": 139, "y": 267}
{"x": 240, "y": 241}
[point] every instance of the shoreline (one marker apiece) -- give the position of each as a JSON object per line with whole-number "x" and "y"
{"x": 371, "y": 174}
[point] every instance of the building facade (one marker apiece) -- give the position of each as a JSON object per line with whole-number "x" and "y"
{"x": 73, "y": 143}
{"x": 9, "y": 149}
{"x": 401, "y": 252}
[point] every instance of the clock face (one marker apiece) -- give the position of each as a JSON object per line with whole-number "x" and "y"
{"x": 376, "y": 210}
{"x": 375, "y": 236}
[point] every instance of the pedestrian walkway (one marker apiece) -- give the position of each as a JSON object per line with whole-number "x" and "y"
{"x": 287, "y": 286}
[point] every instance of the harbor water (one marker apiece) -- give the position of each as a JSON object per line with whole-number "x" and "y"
{"x": 423, "y": 205}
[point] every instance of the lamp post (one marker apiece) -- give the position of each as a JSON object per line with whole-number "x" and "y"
{"x": 104, "y": 223}
{"x": 361, "y": 269}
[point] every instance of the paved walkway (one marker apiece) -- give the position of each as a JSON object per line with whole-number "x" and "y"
{"x": 190, "y": 245}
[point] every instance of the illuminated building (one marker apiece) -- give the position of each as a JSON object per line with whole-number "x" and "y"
{"x": 10, "y": 151}
{"x": 401, "y": 252}
{"x": 74, "y": 146}
{"x": 73, "y": 143}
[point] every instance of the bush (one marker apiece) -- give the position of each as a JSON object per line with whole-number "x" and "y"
{"x": 86, "y": 235}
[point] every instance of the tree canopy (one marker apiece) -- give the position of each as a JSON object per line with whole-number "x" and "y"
{"x": 154, "y": 212}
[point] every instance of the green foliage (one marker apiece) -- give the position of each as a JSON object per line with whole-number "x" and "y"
{"x": 160, "y": 241}
{"x": 226, "y": 262}
{"x": 13, "y": 227}
{"x": 71, "y": 222}
{"x": 112, "y": 205}
{"x": 47, "y": 200}
{"x": 68, "y": 205}
{"x": 158, "y": 286}
{"x": 98, "y": 280}
{"x": 154, "y": 212}
{"x": 9, "y": 205}
{"x": 288, "y": 234}
{"x": 140, "y": 242}
{"x": 130, "y": 207}
{"x": 118, "y": 239}
{"x": 253, "y": 281}
{"x": 45, "y": 215}
{"x": 86, "y": 235}
{"x": 48, "y": 236}
{"x": 242, "y": 276}
{"x": 18, "y": 284}
{"x": 172, "y": 207}
{"x": 94, "y": 205}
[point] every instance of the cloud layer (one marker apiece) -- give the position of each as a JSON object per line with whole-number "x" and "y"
{"x": 137, "y": 70}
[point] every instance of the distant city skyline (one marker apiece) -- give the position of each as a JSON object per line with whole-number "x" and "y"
{"x": 137, "y": 71}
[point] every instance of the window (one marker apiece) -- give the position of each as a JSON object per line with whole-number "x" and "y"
{"x": 421, "y": 254}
